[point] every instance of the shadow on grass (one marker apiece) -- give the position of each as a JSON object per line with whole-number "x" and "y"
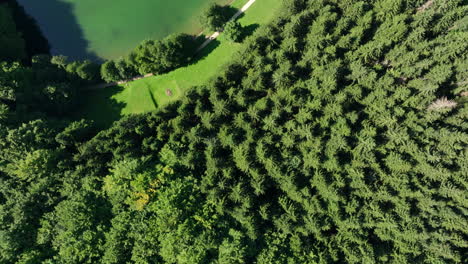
{"x": 153, "y": 99}
{"x": 249, "y": 30}
{"x": 230, "y": 11}
{"x": 246, "y": 32}
{"x": 199, "y": 40}
{"x": 100, "y": 106}
{"x": 205, "y": 52}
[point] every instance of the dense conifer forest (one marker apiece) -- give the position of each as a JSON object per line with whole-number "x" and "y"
{"x": 338, "y": 135}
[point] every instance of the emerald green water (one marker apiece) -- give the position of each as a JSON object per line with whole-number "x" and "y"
{"x": 106, "y": 29}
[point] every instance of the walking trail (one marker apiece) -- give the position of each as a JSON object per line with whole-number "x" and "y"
{"x": 202, "y": 46}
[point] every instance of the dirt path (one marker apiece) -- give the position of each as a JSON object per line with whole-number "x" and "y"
{"x": 202, "y": 46}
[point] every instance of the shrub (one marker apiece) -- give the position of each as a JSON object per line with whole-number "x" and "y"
{"x": 59, "y": 60}
{"x": 214, "y": 17}
{"x": 125, "y": 69}
{"x": 233, "y": 31}
{"x": 159, "y": 56}
{"x": 88, "y": 70}
{"x": 109, "y": 72}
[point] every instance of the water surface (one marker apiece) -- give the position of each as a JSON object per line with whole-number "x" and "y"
{"x": 106, "y": 29}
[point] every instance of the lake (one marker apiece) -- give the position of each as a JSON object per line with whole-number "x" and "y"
{"x": 107, "y": 29}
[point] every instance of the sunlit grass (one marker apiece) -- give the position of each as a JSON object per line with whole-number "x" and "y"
{"x": 137, "y": 96}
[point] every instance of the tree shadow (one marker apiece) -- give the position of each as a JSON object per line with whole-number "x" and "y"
{"x": 249, "y": 30}
{"x": 205, "y": 51}
{"x": 246, "y": 32}
{"x": 240, "y": 16}
{"x": 230, "y": 10}
{"x": 198, "y": 40}
{"x": 153, "y": 98}
{"x": 100, "y": 106}
{"x": 60, "y": 26}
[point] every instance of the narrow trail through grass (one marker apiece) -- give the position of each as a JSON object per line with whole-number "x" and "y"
{"x": 107, "y": 105}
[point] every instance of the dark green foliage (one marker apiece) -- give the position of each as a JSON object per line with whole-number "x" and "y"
{"x": 233, "y": 31}
{"x": 154, "y": 56}
{"x": 43, "y": 88}
{"x": 215, "y": 16}
{"x": 109, "y": 72}
{"x": 85, "y": 71}
{"x": 75, "y": 133}
{"x": 11, "y": 43}
{"x": 317, "y": 144}
{"x": 59, "y": 60}
{"x": 88, "y": 70}
{"x": 126, "y": 71}
{"x": 151, "y": 56}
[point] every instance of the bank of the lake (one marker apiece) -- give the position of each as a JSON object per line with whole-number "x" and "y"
{"x": 107, "y": 105}
{"x": 108, "y": 29}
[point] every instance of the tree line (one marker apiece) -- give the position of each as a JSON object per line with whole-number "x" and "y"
{"x": 151, "y": 56}
{"x": 319, "y": 143}
{"x": 161, "y": 56}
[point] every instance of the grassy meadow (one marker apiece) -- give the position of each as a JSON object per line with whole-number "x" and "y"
{"x": 106, "y": 105}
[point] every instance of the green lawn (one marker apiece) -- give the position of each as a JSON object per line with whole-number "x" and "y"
{"x": 107, "y": 105}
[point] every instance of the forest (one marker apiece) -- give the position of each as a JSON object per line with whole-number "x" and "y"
{"x": 338, "y": 134}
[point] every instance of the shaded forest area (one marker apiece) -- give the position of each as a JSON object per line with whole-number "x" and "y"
{"x": 338, "y": 135}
